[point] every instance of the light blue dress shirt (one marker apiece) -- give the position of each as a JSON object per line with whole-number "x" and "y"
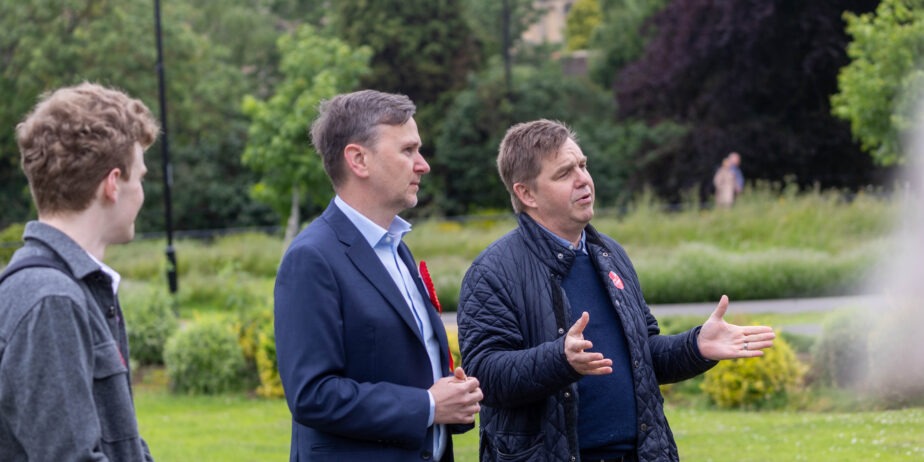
{"x": 582, "y": 247}
{"x": 385, "y": 244}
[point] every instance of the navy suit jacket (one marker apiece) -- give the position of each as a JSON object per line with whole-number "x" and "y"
{"x": 352, "y": 361}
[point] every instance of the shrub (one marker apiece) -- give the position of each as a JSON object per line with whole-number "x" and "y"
{"x": 205, "y": 358}
{"x": 250, "y": 325}
{"x": 267, "y": 367}
{"x": 150, "y": 321}
{"x": 10, "y": 240}
{"x": 756, "y": 383}
{"x": 258, "y": 344}
{"x": 840, "y": 356}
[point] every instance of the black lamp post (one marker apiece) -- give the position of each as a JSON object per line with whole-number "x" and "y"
{"x": 165, "y": 154}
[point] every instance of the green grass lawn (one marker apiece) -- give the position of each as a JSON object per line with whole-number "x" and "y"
{"x": 794, "y": 436}
{"x": 237, "y": 428}
{"x": 213, "y": 428}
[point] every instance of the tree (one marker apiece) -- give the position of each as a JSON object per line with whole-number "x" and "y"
{"x": 881, "y": 89}
{"x": 621, "y": 36}
{"x": 313, "y": 68}
{"x": 486, "y": 20}
{"x": 480, "y": 116}
{"x": 45, "y": 45}
{"x": 421, "y": 48}
{"x": 750, "y": 76}
{"x": 583, "y": 19}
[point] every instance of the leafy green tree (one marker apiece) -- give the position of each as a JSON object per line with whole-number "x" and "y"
{"x": 45, "y": 45}
{"x": 882, "y": 87}
{"x": 621, "y": 36}
{"x": 421, "y": 48}
{"x": 313, "y": 68}
{"x": 582, "y": 21}
{"x": 486, "y": 19}
{"x": 480, "y": 116}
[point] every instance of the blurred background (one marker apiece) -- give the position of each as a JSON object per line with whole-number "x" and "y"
{"x": 658, "y": 91}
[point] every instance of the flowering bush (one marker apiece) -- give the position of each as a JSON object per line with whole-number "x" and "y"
{"x": 754, "y": 383}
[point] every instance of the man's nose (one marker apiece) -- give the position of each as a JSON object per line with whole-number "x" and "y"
{"x": 420, "y": 165}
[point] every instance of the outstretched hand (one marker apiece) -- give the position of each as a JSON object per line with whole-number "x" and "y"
{"x": 721, "y": 340}
{"x": 584, "y": 362}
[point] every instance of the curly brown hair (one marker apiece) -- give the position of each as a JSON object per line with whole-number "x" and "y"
{"x": 74, "y": 137}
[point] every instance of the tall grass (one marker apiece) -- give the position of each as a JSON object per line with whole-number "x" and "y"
{"x": 773, "y": 243}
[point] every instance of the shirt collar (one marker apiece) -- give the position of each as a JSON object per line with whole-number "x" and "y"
{"x": 582, "y": 247}
{"x": 116, "y": 277}
{"x": 371, "y": 232}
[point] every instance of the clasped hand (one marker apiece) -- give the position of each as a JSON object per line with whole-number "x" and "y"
{"x": 456, "y": 398}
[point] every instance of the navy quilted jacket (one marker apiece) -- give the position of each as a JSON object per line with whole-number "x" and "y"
{"x": 513, "y": 317}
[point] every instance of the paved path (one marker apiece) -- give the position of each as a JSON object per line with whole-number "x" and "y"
{"x": 794, "y": 305}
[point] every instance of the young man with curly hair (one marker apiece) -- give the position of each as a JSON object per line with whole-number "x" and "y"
{"x": 65, "y": 387}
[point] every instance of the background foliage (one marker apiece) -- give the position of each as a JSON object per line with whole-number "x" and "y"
{"x": 880, "y": 90}
{"x": 747, "y": 76}
{"x": 660, "y": 90}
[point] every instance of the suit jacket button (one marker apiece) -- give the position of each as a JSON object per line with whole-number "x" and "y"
{"x": 426, "y": 455}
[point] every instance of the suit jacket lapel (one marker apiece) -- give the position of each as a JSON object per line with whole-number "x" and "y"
{"x": 367, "y": 262}
{"x": 438, "y": 329}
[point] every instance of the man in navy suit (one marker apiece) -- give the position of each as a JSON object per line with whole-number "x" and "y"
{"x": 362, "y": 352}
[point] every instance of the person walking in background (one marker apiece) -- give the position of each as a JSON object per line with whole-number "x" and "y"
{"x": 735, "y": 159}
{"x": 362, "y": 352}
{"x": 65, "y": 386}
{"x": 553, "y": 322}
{"x": 725, "y": 184}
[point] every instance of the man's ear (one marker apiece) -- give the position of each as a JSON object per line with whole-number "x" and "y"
{"x": 525, "y": 194}
{"x": 355, "y": 157}
{"x": 111, "y": 183}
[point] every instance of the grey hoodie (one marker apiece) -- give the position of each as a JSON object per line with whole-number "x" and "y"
{"x": 65, "y": 389}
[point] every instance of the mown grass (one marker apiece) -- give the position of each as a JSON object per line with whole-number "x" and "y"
{"x": 237, "y": 428}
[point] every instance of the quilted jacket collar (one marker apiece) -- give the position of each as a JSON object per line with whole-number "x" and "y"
{"x": 551, "y": 252}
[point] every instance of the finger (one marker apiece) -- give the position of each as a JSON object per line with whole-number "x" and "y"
{"x": 579, "y": 325}
{"x": 459, "y": 374}
{"x": 587, "y": 358}
{"x": 720, "y": 310}
{"x": 760, "y": 337}
{"x": 755, "y": 346}
{"x": 757, "y": 330}
{"x": 602, "y": 363}
{"x": 598, "y": 371}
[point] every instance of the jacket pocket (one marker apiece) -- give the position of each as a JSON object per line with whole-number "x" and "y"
{"x": 521, "y": 447}
{"x": 112, "y": 394}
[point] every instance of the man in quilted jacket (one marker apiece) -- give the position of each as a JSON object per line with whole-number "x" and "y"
{"x": 553, "y": 322}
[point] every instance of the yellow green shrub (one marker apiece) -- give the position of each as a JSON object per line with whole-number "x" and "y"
{"x": 755, "y": 383}
{"x": 267, "y": 367}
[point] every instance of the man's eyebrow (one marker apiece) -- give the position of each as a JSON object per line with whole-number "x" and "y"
{"x": 565, "y": 167}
